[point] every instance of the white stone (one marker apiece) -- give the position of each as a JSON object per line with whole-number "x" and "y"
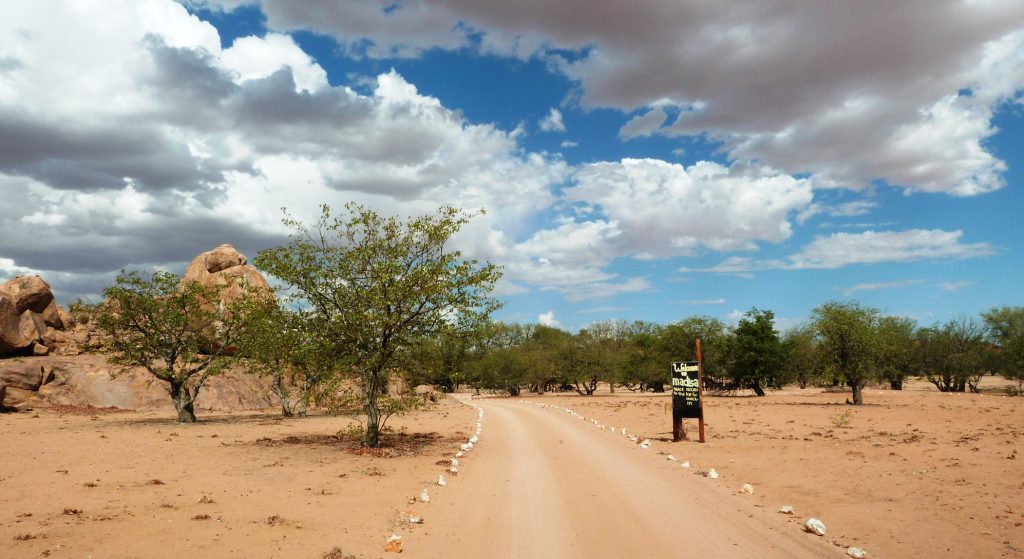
{"x": 424, "y": 496}
{"x": 460, "y": 454}
{"x": 441, "y": 481}
{"x": 815, "y": 526}
{"x": 685, "y": 463}
{"x": 670, "y": 457}
{"x": 747, "y": 488}
{"x": 856, "y": 552}
{"x": 453, "y": 470}
{"x": 712, "y": 473}
{"x": 413, "y": 519}
{"x": 455, "y": 462}
{"x": 786, "y": 509}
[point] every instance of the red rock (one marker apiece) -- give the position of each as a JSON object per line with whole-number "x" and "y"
{"x": 29, "y": 293}
{"x": 24, "y": 375}
{"x": 226, "y": 267}
{"x": 51, "y": 315}
{"x": 12, "y": 337}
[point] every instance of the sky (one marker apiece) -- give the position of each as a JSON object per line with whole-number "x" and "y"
{"x": 647, "y": 160}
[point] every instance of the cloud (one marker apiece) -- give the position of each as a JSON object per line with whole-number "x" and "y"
{"x": 664, "y": 209}
{"x": 847, "y": 209}
{"x": 553, "y": 122}
{"x": 954, "y": 285}
{"x": 597, "y": 310}
{"x": 569, "y": 144}
{"x": 205, "y": 144}
{"x": 849, "y": 95}
{"x": 870, "y": 247}
{"x": 643, "y": 125}
{"x": 718, "y": 301}
{"x": 548, "y": 319}
{"x": 876, "y": 286}
{"x": 604, "y": 290}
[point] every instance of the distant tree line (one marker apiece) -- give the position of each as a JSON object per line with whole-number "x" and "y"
{"x": 843, "y": 344}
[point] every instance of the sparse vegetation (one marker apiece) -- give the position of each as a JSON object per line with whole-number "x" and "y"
{"x": 178, "y": 333}
{"x": 373, "y": 286}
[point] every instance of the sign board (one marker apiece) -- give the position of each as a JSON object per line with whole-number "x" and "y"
{"x": 686, "y": 390}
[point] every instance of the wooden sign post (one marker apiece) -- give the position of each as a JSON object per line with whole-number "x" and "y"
{"x": 687, "y": 400}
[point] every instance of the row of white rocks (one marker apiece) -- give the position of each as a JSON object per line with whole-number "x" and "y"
{"x": 394, "y": 541}
{"x": 812, "y": 525}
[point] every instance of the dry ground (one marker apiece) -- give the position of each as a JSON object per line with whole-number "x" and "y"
{"x": 911, "y": 474}
{"x": 247, "y": 484}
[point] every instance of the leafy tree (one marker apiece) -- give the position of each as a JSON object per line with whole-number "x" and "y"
{"x": 166, "y": 328}
{"x": 896, "y": 340}
{"x": 610, "y": 347}
{"x": 544, "y": 352}
{"x": 497, "y": 360}
{"x": 283, "y": 345}
{"x": 1005, "y": 328}
{"x": 376, "y": 285}
{"x": 441, "y": 360}
{"x": 644, "y": 362}
{"x": 676, "y": 343}
{"x": 756, "y": 351}
{"x": 800, "y": 354}
{"x": 583, "y": 361}
{"x": 954, "y": 356}
{"x": 847, "y": 343}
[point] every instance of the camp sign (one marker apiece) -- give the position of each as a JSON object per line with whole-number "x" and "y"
{"x": 686, "y": 390}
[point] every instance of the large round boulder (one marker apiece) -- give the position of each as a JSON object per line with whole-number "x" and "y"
{"x": 27, "y": 309}
{"x": 228, "y": 269}
{"x": 28, "y": 293}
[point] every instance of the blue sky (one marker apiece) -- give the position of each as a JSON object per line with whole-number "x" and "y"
{"x": 650, "y": 161}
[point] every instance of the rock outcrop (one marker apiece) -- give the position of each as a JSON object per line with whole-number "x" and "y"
{"x": 86, "y": 380}
{"x": 228, "y": 269}
{"x": 27, "y": 312}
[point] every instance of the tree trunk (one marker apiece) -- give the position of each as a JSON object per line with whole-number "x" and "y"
{"x": 184, "y": 402}
{"x": 858, "y": 396}
{"x": 756, "y": 387}
{"x": 372, "y": 439}
{"x": 283, "y": 396}
{"x": 611, "y": 386}
{"x": 513, "y": 390}
{"x": 896, "y": 383}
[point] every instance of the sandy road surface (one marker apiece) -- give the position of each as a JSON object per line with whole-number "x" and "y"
{"x": 542, "y": 483}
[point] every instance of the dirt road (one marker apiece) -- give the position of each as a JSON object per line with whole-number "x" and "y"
{"x": 543, "y": 483}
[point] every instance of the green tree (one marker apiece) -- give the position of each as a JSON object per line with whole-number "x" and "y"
{"x": 544, "y": 351}
{"x": 756, "y": 351}
{"x": 376, "y": 285}
{"x": 896, "y": 339}
{"x": 283, "y": 345}
{"x": 800, "y": 352}
{"x": 166, "y": 328}
{"x": 644, "y": 362}
{"x": 676, "y": 343}
{"x": 954, "y": 355}
{"x": 1005, "y": 328}
{"x": 847, "y": 343}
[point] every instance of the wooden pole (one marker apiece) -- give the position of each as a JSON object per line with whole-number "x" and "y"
{"x": 700, "y": 389}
